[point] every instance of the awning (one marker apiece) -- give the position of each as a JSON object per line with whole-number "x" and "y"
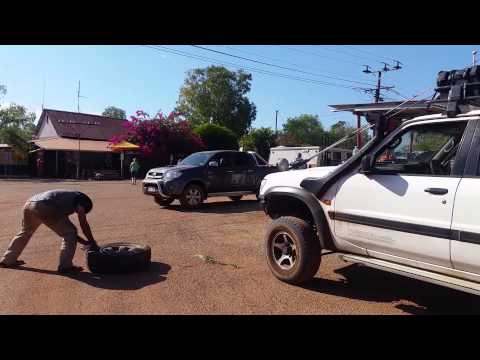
{"x": 124, "y": 146}
{"x": 73, "y": 145}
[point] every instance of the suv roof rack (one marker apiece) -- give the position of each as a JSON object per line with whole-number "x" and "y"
{"x": 459, "y": 90}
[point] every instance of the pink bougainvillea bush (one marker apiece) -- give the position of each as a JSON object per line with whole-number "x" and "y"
{"x": 160, "y": 137}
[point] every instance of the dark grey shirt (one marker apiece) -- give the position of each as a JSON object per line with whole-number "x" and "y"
{"x": 62, "y": 200}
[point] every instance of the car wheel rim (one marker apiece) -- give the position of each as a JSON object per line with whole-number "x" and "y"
{"x": 284, "y": 251}
{"x": 114, "y": 250}
{"x": 193, "y": 196}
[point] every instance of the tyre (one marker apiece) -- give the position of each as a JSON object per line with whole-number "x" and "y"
{"x": 235, "y": 198}
{"x": 119, "y": 258}
{"x": 192, "y": 196}
{"x": 163, "y": 201}
{"x": 292, "y": 249}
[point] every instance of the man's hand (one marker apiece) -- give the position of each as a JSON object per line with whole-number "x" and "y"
{"x": 82, "y": 219}
{"x": 87, "y": 245}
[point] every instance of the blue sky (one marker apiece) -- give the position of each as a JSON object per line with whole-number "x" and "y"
{"x": 136, "y": 77}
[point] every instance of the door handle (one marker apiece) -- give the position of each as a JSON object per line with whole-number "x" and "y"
{"x": 436, "y": 191}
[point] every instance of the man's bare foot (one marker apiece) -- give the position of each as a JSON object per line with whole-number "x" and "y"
{"x": 14, "y": 265}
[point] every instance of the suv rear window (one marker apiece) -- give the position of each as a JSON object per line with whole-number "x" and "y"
{"x": 242, "y": 160}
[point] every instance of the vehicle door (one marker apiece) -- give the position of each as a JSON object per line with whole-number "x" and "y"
{"x": 465, "y": 244}
{"x": 402, "y": 209}
{"x": 243, "y": 172}
{"x": 219, "y": 173}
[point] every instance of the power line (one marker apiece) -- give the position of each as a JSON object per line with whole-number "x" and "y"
{"x": 320, "y": 56}
{"x": 347, "y": 53}
{"x": 279, "y": 66}
{"x": 253, "y": 69}
{"x": 368, "y": 52}
{"x": 267, "y": 57}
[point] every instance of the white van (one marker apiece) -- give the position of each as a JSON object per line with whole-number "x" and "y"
{"x": 334, "y": 156}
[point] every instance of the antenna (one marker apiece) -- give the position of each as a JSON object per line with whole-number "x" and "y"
{"x": 79, "y": 96}
{"x": 43, "y": 96}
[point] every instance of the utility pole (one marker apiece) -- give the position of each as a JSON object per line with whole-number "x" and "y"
{"x": 78, "y": 159}
{"x": 379, "y": 85}
{"x": 276, "y": 122}
{"x": 387, "y": 67}
{"x": 474, "y": 54}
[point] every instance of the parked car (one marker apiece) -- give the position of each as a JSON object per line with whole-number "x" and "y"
{"x": 205, "y": 174}
{"x": 413, "y": 214}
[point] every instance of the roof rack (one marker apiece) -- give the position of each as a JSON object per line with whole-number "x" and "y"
{"x": 459, "y": 90}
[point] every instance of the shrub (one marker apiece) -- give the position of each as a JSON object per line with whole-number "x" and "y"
{"x": 216, "y": 137}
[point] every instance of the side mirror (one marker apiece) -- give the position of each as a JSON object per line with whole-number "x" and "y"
{"x": 366, "y": 167}
{"x": 213, "y": 164}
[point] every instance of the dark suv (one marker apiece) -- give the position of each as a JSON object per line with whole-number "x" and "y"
{"x": 207, "y": 173}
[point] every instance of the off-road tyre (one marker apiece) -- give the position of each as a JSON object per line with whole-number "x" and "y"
{"x": 304, "y": 259}
{"x": 117, "y": 258}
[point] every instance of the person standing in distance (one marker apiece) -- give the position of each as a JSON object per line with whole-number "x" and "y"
{"x": 134, "y": 168}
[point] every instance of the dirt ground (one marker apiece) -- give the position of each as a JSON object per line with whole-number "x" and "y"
{"x": 181, "y": 283}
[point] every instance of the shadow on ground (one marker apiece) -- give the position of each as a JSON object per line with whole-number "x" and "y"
{"x": 135, "y": 281}
{"x": 221, "y": 207}
{"x": 363, "y": 283}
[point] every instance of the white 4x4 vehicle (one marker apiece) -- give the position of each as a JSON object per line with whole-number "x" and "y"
{"x": 406, "y": 203}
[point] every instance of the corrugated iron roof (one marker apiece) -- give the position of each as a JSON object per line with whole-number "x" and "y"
{"x": 84, "y": 126}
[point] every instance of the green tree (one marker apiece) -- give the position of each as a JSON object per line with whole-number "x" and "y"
{"x": 306, "y": 128}
{"x": 342, "y": 129}
{"x": 17, "y": 126}
{"x": 287, "y": 139}
{"x": 115, "y": 113}
{"x": 259, "y": 140}
{"x": 218, "y": 95}
{"x": 216, "y": 137}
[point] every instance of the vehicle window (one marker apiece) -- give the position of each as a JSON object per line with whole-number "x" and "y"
{"x": 197, "y": 159}
{"x": 242, "y": 160}
{"x": 260, "y": 160}
{"x": 223, "y": 160}
{"x": 425, "y": 150}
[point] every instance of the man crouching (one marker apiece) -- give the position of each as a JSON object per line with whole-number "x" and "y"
{"x": 53, "y": 208}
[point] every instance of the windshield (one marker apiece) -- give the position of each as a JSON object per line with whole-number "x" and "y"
{"x": 197, "y": 159}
